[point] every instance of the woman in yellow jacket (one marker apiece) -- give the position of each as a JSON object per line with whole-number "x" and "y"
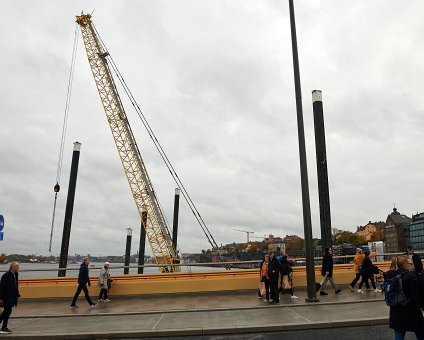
{"x": 357, "y": 266}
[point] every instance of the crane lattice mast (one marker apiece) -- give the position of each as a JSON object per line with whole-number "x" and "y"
{"x": 157, "y": 231}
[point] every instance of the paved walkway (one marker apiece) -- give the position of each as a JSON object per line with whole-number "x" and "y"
{"x": 192, "y": 314}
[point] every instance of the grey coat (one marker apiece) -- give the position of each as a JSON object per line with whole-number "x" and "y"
{"x": 103, "y": 277}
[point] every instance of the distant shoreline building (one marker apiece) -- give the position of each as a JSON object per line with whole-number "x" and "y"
{"x": 396, "y": 232}
{"x": 416, "y": 232}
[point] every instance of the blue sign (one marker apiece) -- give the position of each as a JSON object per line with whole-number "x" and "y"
{"x": 1, "y": 236}
{"x": 1, "y": 222}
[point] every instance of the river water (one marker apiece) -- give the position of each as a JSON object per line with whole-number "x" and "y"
{"x": 40, "y": 270}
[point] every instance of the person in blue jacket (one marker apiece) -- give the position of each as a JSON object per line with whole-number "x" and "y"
{"x": 9, "y": 294}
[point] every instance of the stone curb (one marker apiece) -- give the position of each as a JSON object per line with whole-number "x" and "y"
{"x": 194, "y": 310}
{"x": 206, "y": 331}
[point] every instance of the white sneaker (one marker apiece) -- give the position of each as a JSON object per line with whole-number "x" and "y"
{"x": 360, "y": 291}
{"x": 293, "y": 297}
{"x": 377, "y": 290}
{"x": 107, "y": 300}
{"x": 100, "y": 300}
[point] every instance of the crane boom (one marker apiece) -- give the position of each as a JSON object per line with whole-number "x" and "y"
{"x": 157, "y": 231}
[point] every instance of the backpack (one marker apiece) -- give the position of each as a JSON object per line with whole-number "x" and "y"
{"x": 393, "y": 291}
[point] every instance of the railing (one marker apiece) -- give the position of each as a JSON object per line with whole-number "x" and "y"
{"x": 298, "y": 261}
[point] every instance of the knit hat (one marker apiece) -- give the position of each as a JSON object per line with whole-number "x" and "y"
{"x": 359, "y": 250}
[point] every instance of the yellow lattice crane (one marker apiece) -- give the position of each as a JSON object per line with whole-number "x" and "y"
{"x": 157, "y": 231}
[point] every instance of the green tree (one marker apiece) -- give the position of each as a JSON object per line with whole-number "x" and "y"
{"x": 296, "y": 244}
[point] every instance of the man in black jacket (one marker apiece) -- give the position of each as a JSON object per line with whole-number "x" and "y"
{"x": 274, "y": 268}
{"x": 83, "y": 281}
{"x": 327, "y": 272}
{"x": 416, "y": 259}
{"x": 9, "y": 294}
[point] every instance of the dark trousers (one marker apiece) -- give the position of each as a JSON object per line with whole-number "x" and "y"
{"x": 81, "y": 287}
{"x": 103, "y": 292}
{"x": 5, "y": 316}
{"x": 356, "y": 279}
{"x": 274, "y": 289}
{"x": 365, "y": 280}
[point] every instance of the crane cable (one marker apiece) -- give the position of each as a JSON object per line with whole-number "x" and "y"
{"x": 56, "y": 188}
{"x": 162, "y": 153}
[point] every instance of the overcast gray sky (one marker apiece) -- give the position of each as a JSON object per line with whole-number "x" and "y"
{"x": 215, "y": 80}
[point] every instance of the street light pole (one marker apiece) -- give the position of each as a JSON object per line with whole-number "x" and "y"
{"x": 128, "y": 251}
{"x": 307, "y": 225}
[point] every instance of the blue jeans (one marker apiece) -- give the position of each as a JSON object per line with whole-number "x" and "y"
{"x": 328, "y": 278}
{"x": 400, "y": 335}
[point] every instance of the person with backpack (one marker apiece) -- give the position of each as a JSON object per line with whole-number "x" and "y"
{"x": 286, "y": 276}
{"x": 402, "y": 295}
{"x": 368, "y": 271}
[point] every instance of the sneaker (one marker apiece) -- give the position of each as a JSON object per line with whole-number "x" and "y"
{"x": 74, "y": 307}
{"x": 360, "y": 291}
{"x": 100, "y": 300}
{"x": 5, "y": 331}
{"x": 338, "y": 291}
{"x": 323, "y": 293}
{"x": 94, "y": 304}
{"x": 377, "y": 290}
{"x": 293, "y": 297}
{"x": 351, "y": 288}
{"x": 107, "y": 300}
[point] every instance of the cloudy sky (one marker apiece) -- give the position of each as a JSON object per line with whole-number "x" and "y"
{"x": 215, "y": 81}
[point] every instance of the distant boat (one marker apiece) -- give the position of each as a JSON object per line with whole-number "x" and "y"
{"x": 34, "y": 260}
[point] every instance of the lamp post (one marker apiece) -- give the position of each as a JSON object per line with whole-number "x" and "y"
{"x": 128, "y": 251}
{"x": 63, "y": 262}
{"x": 307, "y": 224}
{"x": 142, "y": 245}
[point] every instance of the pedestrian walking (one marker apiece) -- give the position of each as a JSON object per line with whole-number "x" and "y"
{"x": 264, "y": 281}
{"x": 407, "y": 318}
{"x": 416, "y": 259}
{"x": 357, "y": 267}
{"x": 286, "y": 276}
{"x": 327, "y": 272}
{"x": 368, "y": 271}
{"x": 83, "y": 281}
{"x": 104, "y": 278}
{"x": 274, "y": 268}
{"x": 9, "y": 295}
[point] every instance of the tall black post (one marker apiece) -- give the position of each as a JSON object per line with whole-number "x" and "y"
{"x": 176, "y": 211}
{"x": 321, "y": 153}
{"x": 128, "y": 251}
{"x": 307, "y": 225}
{"x": 142, "y": 247}
{"x": 69, "y": 210}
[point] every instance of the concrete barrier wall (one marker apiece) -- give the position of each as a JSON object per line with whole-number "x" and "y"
{"x": 175, "y": 282}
